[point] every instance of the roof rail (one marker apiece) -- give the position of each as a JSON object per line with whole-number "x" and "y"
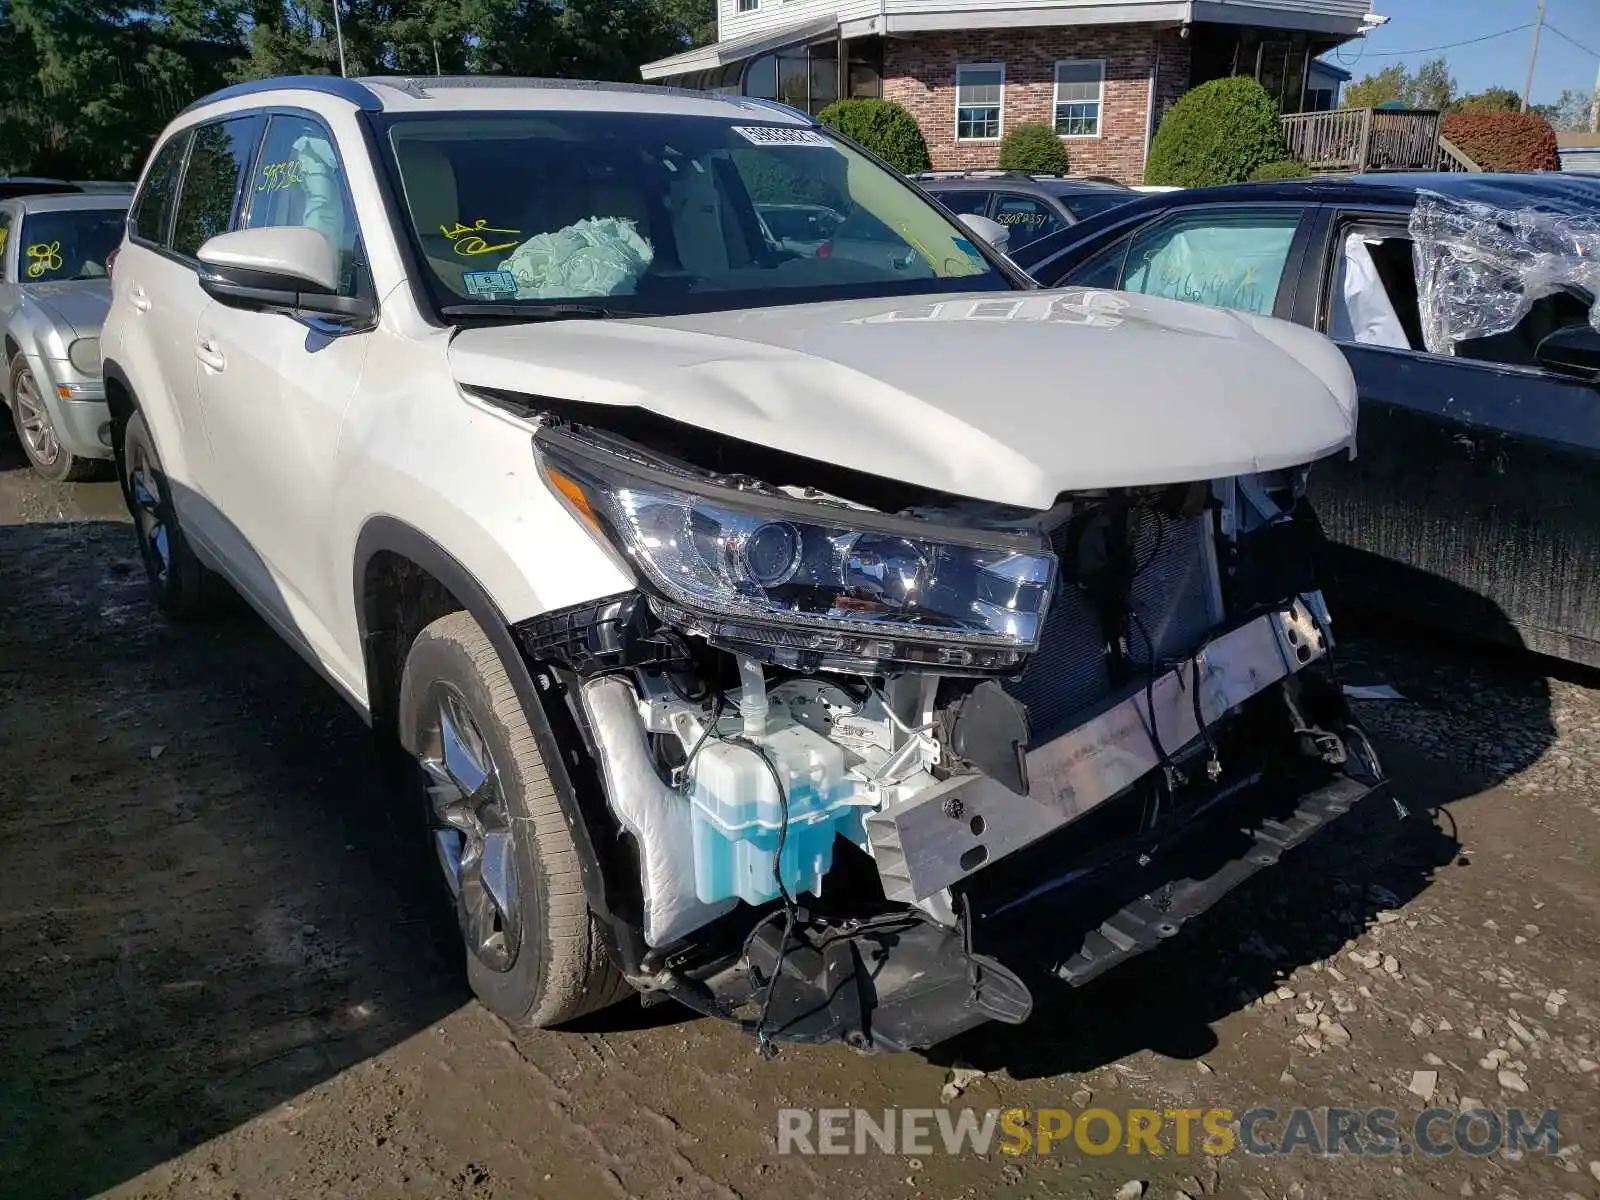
{"x": 995, "y": 173}
{"x": 418, "y": 86}
{"x": 776, "y": 105}
{"x": 329, "y": 85}
{"x": 986, "y": 173}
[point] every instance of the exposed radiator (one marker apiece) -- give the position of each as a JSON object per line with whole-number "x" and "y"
{"x": 1174, "y": 595}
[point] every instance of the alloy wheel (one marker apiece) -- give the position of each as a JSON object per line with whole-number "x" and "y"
{"x": 149, "y": 512}
{"x": 471, "y": 828}
{"x": 33, "y": 422}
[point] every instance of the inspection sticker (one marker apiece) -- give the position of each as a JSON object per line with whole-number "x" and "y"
{"x": 780, "y": 135}
{"x": 490, "y": 283}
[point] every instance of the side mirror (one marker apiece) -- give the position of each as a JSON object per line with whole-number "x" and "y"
{"x": 996, "y": 234}
{"x": 289, "y": 269}
{"x": 1572, "y": 352}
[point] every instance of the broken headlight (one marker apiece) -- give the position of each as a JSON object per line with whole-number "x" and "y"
{"x": 810, "y": 578}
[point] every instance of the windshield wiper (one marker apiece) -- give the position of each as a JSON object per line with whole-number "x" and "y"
{"x": 538, "y": 312}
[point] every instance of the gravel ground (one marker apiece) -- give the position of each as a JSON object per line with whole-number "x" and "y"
{"x": 220, "y": 975}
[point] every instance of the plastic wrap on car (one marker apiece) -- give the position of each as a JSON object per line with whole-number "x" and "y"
{"x": 1480, "y": 268}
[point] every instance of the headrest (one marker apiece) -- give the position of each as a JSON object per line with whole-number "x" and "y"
{"x": 430, "y": 185}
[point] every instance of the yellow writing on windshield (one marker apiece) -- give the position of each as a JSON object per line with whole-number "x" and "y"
{"x": 42, "y": 257}
{"x": 5, "y": 232}
{"x": 469, "y": 240}
{"x": 275, "y": 176}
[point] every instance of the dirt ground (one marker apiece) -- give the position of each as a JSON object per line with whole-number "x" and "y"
{"x": 220, "y": 975}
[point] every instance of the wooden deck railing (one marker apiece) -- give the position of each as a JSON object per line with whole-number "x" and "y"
{"x": 1453, "y": 158}
{"x": 1364, "y": 139}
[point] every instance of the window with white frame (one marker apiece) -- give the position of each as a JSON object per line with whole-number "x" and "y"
{"x": 748, "y": 5}
{"x": 1080, "y": 94}
{"x": 979, "y": 91}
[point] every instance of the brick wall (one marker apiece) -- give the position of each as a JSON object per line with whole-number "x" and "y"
{"x": 919, "y": 72}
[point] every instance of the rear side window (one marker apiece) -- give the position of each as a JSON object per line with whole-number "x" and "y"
{"x": 1086, "y": 204}
{"x": 1373, "y": 300}
{"x": 151, "y": 215}
{"x": 964, "y": 200}
{"x": 217, "y": 163}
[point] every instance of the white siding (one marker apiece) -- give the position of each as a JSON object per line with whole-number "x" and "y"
{"x": 1581, "y": 159}
{"x": 773, "y": 14}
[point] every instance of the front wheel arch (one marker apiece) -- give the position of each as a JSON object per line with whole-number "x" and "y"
{"x": 387, "y": 540}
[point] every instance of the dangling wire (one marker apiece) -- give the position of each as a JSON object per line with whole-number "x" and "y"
{"x": 1213, "y": 761}
{"x": 708, "y": 732}
{"x": 790, "y": 914}
{"x": 1174, "y": 777}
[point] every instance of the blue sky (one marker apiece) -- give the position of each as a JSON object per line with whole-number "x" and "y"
{"x": 1416, "y": 25}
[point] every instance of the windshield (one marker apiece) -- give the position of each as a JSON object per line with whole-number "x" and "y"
{"x": 662, "y": 214}
{"x": 68, "y": 245}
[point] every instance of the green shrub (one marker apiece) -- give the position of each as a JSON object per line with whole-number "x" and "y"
{"x": 885, "y": 128}
{"x": 1504, "y": 141}
{"x": 1035, "y": 149}
{"x": 1221, "y": 132}
{"x": 1286, "y": 168}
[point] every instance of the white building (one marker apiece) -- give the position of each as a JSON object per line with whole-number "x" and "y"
{"x": 1323, "y": 84}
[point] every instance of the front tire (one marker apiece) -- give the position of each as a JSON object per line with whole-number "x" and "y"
{"x": 31, "y": 418}
{"x": 182, "y": 586}
{"x": 534, "y": 954}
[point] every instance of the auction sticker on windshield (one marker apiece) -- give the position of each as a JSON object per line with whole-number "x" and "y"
{"x": 490, "y": 283}
{"x": 776, "y": 135}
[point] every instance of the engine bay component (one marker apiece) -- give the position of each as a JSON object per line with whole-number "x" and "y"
{"x": 988, "y": 730}
{"x": 936, "y": 838}
{"x": 774, "y": 779}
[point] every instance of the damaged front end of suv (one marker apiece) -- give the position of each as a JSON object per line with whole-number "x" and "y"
{"x": 868, "y": 761}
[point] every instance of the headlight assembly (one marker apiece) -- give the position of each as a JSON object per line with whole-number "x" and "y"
{"x": 822, "y": 581}
{"x": 84, "y": 354}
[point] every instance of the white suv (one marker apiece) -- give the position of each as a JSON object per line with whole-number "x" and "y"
{"x": 846, "y": 645}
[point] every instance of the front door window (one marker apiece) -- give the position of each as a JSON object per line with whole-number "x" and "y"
{"x": 1226, "y": 260}
{"x": 1027, "y": 217}
{"x": 299, "y": 181}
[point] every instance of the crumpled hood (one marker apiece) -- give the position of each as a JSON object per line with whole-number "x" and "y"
{"x": 1008, "y": 397}
{"x": 77, "y": 304}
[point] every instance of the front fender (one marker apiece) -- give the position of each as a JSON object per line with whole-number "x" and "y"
{"x": 23, "y": 330}
{"x": 385, "y": 533}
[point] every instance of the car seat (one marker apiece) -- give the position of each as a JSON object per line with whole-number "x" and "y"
{"x": 429, "y": 182}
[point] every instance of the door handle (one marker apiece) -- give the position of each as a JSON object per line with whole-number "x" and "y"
{"x": 140, "y": 301}
{"x": 206, "y": 351}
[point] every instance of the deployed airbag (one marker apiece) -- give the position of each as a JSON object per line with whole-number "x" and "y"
{"x": 597, "y": 256}
{"x": 656, "y": 815}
